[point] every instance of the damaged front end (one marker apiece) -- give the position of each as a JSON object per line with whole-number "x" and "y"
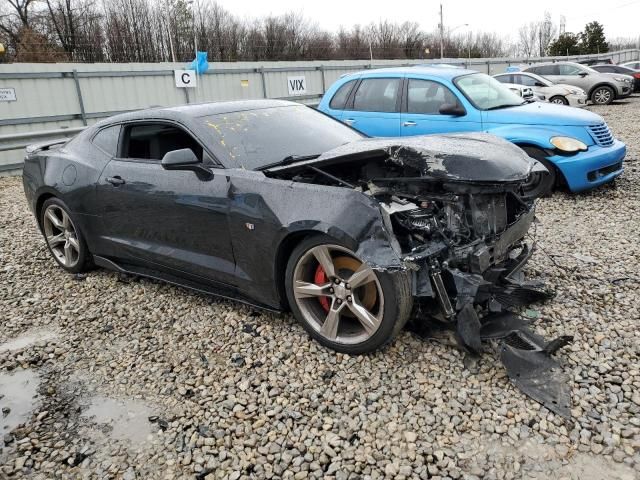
{"x": 459, "y": 215}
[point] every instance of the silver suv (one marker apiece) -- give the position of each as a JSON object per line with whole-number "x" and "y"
{"x": 601, "y": 88}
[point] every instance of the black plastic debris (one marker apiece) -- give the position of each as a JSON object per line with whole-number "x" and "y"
{"x": 527, "y": 359}
{"x": 468, "y": 329}
{"x": 520, "y": 295}
{"x": 539, "y": 376}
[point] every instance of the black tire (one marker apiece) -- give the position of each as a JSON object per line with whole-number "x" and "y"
{"x": 559, "y": 99}
{"x": 542, "y": 185}
{"x": 397, "y": 301}
{"x": 83, "y": 261}
{"x": 602, "y": 95}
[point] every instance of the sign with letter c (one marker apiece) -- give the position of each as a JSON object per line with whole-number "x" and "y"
{"x": 185, "y": 78}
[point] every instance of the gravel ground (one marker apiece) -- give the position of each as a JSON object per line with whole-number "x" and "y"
{"x": 110, "y": 377}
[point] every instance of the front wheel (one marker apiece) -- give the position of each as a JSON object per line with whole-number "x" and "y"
{"x": 539, "y": 184}
{"x": 559, "y": 100}
{"x": 341, "y": 301}
{"x": 602, "y": 95}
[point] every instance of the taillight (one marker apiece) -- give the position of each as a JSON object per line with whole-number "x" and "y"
{"x": 636, "y": 75}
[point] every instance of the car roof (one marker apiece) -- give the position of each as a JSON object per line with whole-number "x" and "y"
{"x": 446, "y": 72}
{"x": 196, "y": 110}
{"x": 561, "y": 62}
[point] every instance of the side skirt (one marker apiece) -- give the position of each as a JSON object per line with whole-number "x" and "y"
{"x": 226, "y": 293}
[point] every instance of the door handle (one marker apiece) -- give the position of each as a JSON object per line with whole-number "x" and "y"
{"x": 409, "y": 124}
{"x": 349, "y": 121}
{"x": 115, "y": 181}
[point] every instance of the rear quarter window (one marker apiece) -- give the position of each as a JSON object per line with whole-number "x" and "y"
{"x": 339, "y": 99}
{"x": 107, "y": 140}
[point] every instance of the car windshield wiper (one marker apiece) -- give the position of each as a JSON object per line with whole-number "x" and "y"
{"x": 288, "y": 160}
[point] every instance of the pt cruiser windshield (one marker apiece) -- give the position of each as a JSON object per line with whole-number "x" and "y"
{"x": 486, "y": 93}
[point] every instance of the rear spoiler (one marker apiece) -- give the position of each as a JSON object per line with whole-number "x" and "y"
{"x": 43, "y": 146}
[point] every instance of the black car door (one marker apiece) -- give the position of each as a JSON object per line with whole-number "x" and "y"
{"x": 170, "y": 220}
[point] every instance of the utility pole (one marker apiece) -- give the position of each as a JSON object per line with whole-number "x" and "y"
{"x": 441, "y": 34}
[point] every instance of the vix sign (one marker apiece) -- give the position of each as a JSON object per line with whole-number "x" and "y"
{"x": 297, "y": 85}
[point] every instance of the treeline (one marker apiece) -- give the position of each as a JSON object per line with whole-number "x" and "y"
{"x": 168, "y": 30}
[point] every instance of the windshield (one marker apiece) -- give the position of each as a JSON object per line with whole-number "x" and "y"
{"x": 487, "y": 93}
{"x": 255, "y": 138}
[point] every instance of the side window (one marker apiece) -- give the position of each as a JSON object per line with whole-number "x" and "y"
{"x": 107, "y": 140}
{"x": 526, "y": 80}
{"x": 607, "y": 69}
{"x": 426, "y": 97}
{"x": 507, "y": 78}
{"x": 547, "y": 70}
{"x": 377, "y": 95}
{"x": 569, "y": 70}
{"x": 340, "y": 98}
{"x": 151, "y": 141}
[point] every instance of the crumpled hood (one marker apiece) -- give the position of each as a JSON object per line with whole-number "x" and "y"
{"x": 548, "y": 114}
{"x": 464, "y": 157}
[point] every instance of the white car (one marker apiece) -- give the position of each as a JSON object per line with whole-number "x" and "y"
{"x": 545, "y": 89}
{"x": 635, "y": 64}
{"x": 521, "y": 90}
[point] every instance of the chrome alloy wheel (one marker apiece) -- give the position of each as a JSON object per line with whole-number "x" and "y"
{"x": 602, "y": 96}
{"x": 61, "y": 236}
{"x": 558, "y": 101}
{"x": 339, "y": 296}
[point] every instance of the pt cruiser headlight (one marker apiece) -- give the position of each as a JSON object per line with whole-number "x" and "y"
{"x": 568, "y": 144}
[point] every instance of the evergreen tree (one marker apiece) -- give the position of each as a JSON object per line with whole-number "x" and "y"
{"x": 593, "y": 39}
{"x": 566, "y": 44}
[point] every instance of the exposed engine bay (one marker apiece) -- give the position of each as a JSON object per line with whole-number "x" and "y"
{"x": 463, "y": 235}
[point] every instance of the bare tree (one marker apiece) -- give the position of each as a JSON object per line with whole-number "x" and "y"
{"x": 528, "y": 39}
{"x": 547, "y": 32}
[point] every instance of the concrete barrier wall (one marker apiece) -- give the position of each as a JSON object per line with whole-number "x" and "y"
{"x": 54, "y": 100}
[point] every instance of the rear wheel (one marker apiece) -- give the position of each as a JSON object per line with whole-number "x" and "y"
{"x": 64, "y": 239}
{"x": 602, "y": 95}
{"x": 539, "y": 184}
{"x": 559, "y": 99}
{"x": 341, "y": 301}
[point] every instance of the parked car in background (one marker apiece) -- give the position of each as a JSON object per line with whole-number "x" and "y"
{"x": 601, "y": 88}
{"x": 522, "y": 91}
{"x": 596, "y": 61}
{"x": 634, "y": 65}
{"x": 575, "y": 145}
{"x": 546, "y": 89}
{"x": 620, "y": 70}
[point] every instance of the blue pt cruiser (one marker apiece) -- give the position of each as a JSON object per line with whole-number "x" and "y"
{"x": 576, "y": 146}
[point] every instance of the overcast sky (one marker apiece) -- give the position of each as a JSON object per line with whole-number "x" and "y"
{"x": 621, "y": 18}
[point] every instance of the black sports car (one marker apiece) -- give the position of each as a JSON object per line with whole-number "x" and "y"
{"x": 277, "y": 205}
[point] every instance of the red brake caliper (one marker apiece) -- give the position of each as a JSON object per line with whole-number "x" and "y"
{"x": 320, "y": 278}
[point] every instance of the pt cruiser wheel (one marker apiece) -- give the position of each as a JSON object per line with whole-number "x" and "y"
{"x": 64, "y": 240}
{"x": 341, "y": 301}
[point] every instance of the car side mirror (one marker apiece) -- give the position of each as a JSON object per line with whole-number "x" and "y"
{"x": 454, "y": 109}
{"x": 583, "y": 74}
{"x": 184, "y": 159}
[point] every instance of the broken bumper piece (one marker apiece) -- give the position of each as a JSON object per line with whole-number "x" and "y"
{"x": 528, "y": 361}
{"x": 526, "y": 356}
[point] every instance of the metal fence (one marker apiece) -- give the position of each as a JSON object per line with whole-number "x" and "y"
{"x": 59, "y": 100}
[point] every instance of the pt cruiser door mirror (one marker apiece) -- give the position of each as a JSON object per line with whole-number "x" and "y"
{"x": 452, "y": 109}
